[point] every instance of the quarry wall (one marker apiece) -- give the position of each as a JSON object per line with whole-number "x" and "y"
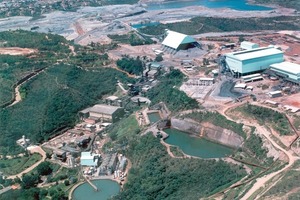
{"x": 208, "y": 131}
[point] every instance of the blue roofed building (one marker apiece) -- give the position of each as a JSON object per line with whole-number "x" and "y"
{"x": 89, "y": 159}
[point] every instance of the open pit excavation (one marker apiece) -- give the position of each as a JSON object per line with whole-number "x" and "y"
{"x": 92, "y": 24}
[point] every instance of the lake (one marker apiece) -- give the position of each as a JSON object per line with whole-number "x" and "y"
{"x": 233, "y": 4}
{"x": 107, "y": 189}
{"x": 195, "y": 146}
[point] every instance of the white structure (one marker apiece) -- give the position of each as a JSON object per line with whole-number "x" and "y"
{"x": 275, "y": 94}
{"x": 89, "y": 159}
{"x": 177, "y": 41}
{"x": 249, "y": 45}
{"x": 240, "y": 86}
{"x": 287, "y": 70}
{"x": 250, "y": 61}
{"x": 23, "y": 142}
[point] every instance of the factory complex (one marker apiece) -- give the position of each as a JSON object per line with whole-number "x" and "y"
{"x": 253, "y": 60}
{"x": 287, "y": 70}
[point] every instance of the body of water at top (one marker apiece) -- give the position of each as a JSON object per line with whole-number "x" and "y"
{"x": 242, "y": 5}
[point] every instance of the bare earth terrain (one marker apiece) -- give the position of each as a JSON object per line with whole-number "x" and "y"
{"x": 16, "y": 51}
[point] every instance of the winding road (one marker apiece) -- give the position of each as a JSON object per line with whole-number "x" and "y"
{"x": 261, "y": 182}
{"x": 31, "y": 149}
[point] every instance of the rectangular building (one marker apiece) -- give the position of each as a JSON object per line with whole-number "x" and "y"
{"x": 103, "y": 113}
{"x": 249, "y": 45}
{"x": 254, "y": 60}
{"x": 289, "y": 71}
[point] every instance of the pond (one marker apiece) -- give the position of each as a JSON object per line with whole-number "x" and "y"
{"x": 107, "y": 189}
{"x": 154, "y": 117}
{"x": 233, "y": 4}
{"x": 195, "y": 146}
{"x": 142, "y": 25}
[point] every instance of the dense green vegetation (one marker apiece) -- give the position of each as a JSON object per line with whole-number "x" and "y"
{"x": 255, "y": 151}
{"x": 49, "y": 48}
{"x": 53, "y": 98}
{"x": 176, "y": 151}
{"x": 166, "y": 91}
{"x": 155, "y": 175}
{"x": 218, "y": 120}
{"x": 131, "y": 38}
{"x": 295, "y": 4}
{"x": 199, "y": 25}
{"x": 131, "y": 65}
{"x": 18, "y": 164}
{"x": 263, "y": 115}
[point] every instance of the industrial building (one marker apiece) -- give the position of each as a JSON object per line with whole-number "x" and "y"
{"x": 102, "y": 113}
{"x": 89, "y": 159}
{"x": 108, "y": 165}
{"x": 178, "y": 41}
{"x": 248, "y": 45}
{"x": 288, "y": 71}
{"x": 254, "y": 60}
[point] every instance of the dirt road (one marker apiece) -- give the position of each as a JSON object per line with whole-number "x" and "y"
{"x": 31, "y": 149}
{"x": 261, "y": 182}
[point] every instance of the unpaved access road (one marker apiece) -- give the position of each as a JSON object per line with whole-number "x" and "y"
{"x": 31, "y": 149}
{"x": 261, "y": 182}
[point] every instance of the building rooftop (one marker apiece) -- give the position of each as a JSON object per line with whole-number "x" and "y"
{"x": 289, "y": 67}
{"x": 101, "y": 108}
{"x": 112, "y": 98}
{"x": 174, "y": 39}
{"x": 254, "y": 53}
{"x": 88, "y": 159}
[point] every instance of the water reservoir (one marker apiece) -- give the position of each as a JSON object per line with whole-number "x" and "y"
{"x": 142, "y": 25}
{"x": 233, "y": 4}
{"x": 154, "y": 117}
{"x": 106, "y": 189}
{"x": 195, "y": 146}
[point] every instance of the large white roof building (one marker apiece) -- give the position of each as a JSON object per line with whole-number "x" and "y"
{"x": 288, "y": 70}
{"x": 177, "y": 40}
{"x": 254, "y": 60}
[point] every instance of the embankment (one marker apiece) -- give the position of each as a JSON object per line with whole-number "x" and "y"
{"x": 208, "y": 131}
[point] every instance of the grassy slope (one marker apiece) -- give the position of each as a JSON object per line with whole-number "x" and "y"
{"x": 17, "y": 165}
{"x": 155, "y": 175}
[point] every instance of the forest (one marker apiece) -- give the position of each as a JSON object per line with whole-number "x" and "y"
{"x": 155, "y": 175}
{"x": 131, "y": 65}
{"x": 200, "y": 25}
{"x": 53, "y": 98}
{"x": 277, "y": 120}
{"x": 167, "y": 91}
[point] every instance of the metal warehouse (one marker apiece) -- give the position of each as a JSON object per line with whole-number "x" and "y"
{"x": 178, "y": 41}
{"x": 289, "y": 71}
{"x": 254, "y": 60}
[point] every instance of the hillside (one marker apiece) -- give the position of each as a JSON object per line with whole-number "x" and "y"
{"x": 284, "y": 3}
{"x": 52, "y": 98}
